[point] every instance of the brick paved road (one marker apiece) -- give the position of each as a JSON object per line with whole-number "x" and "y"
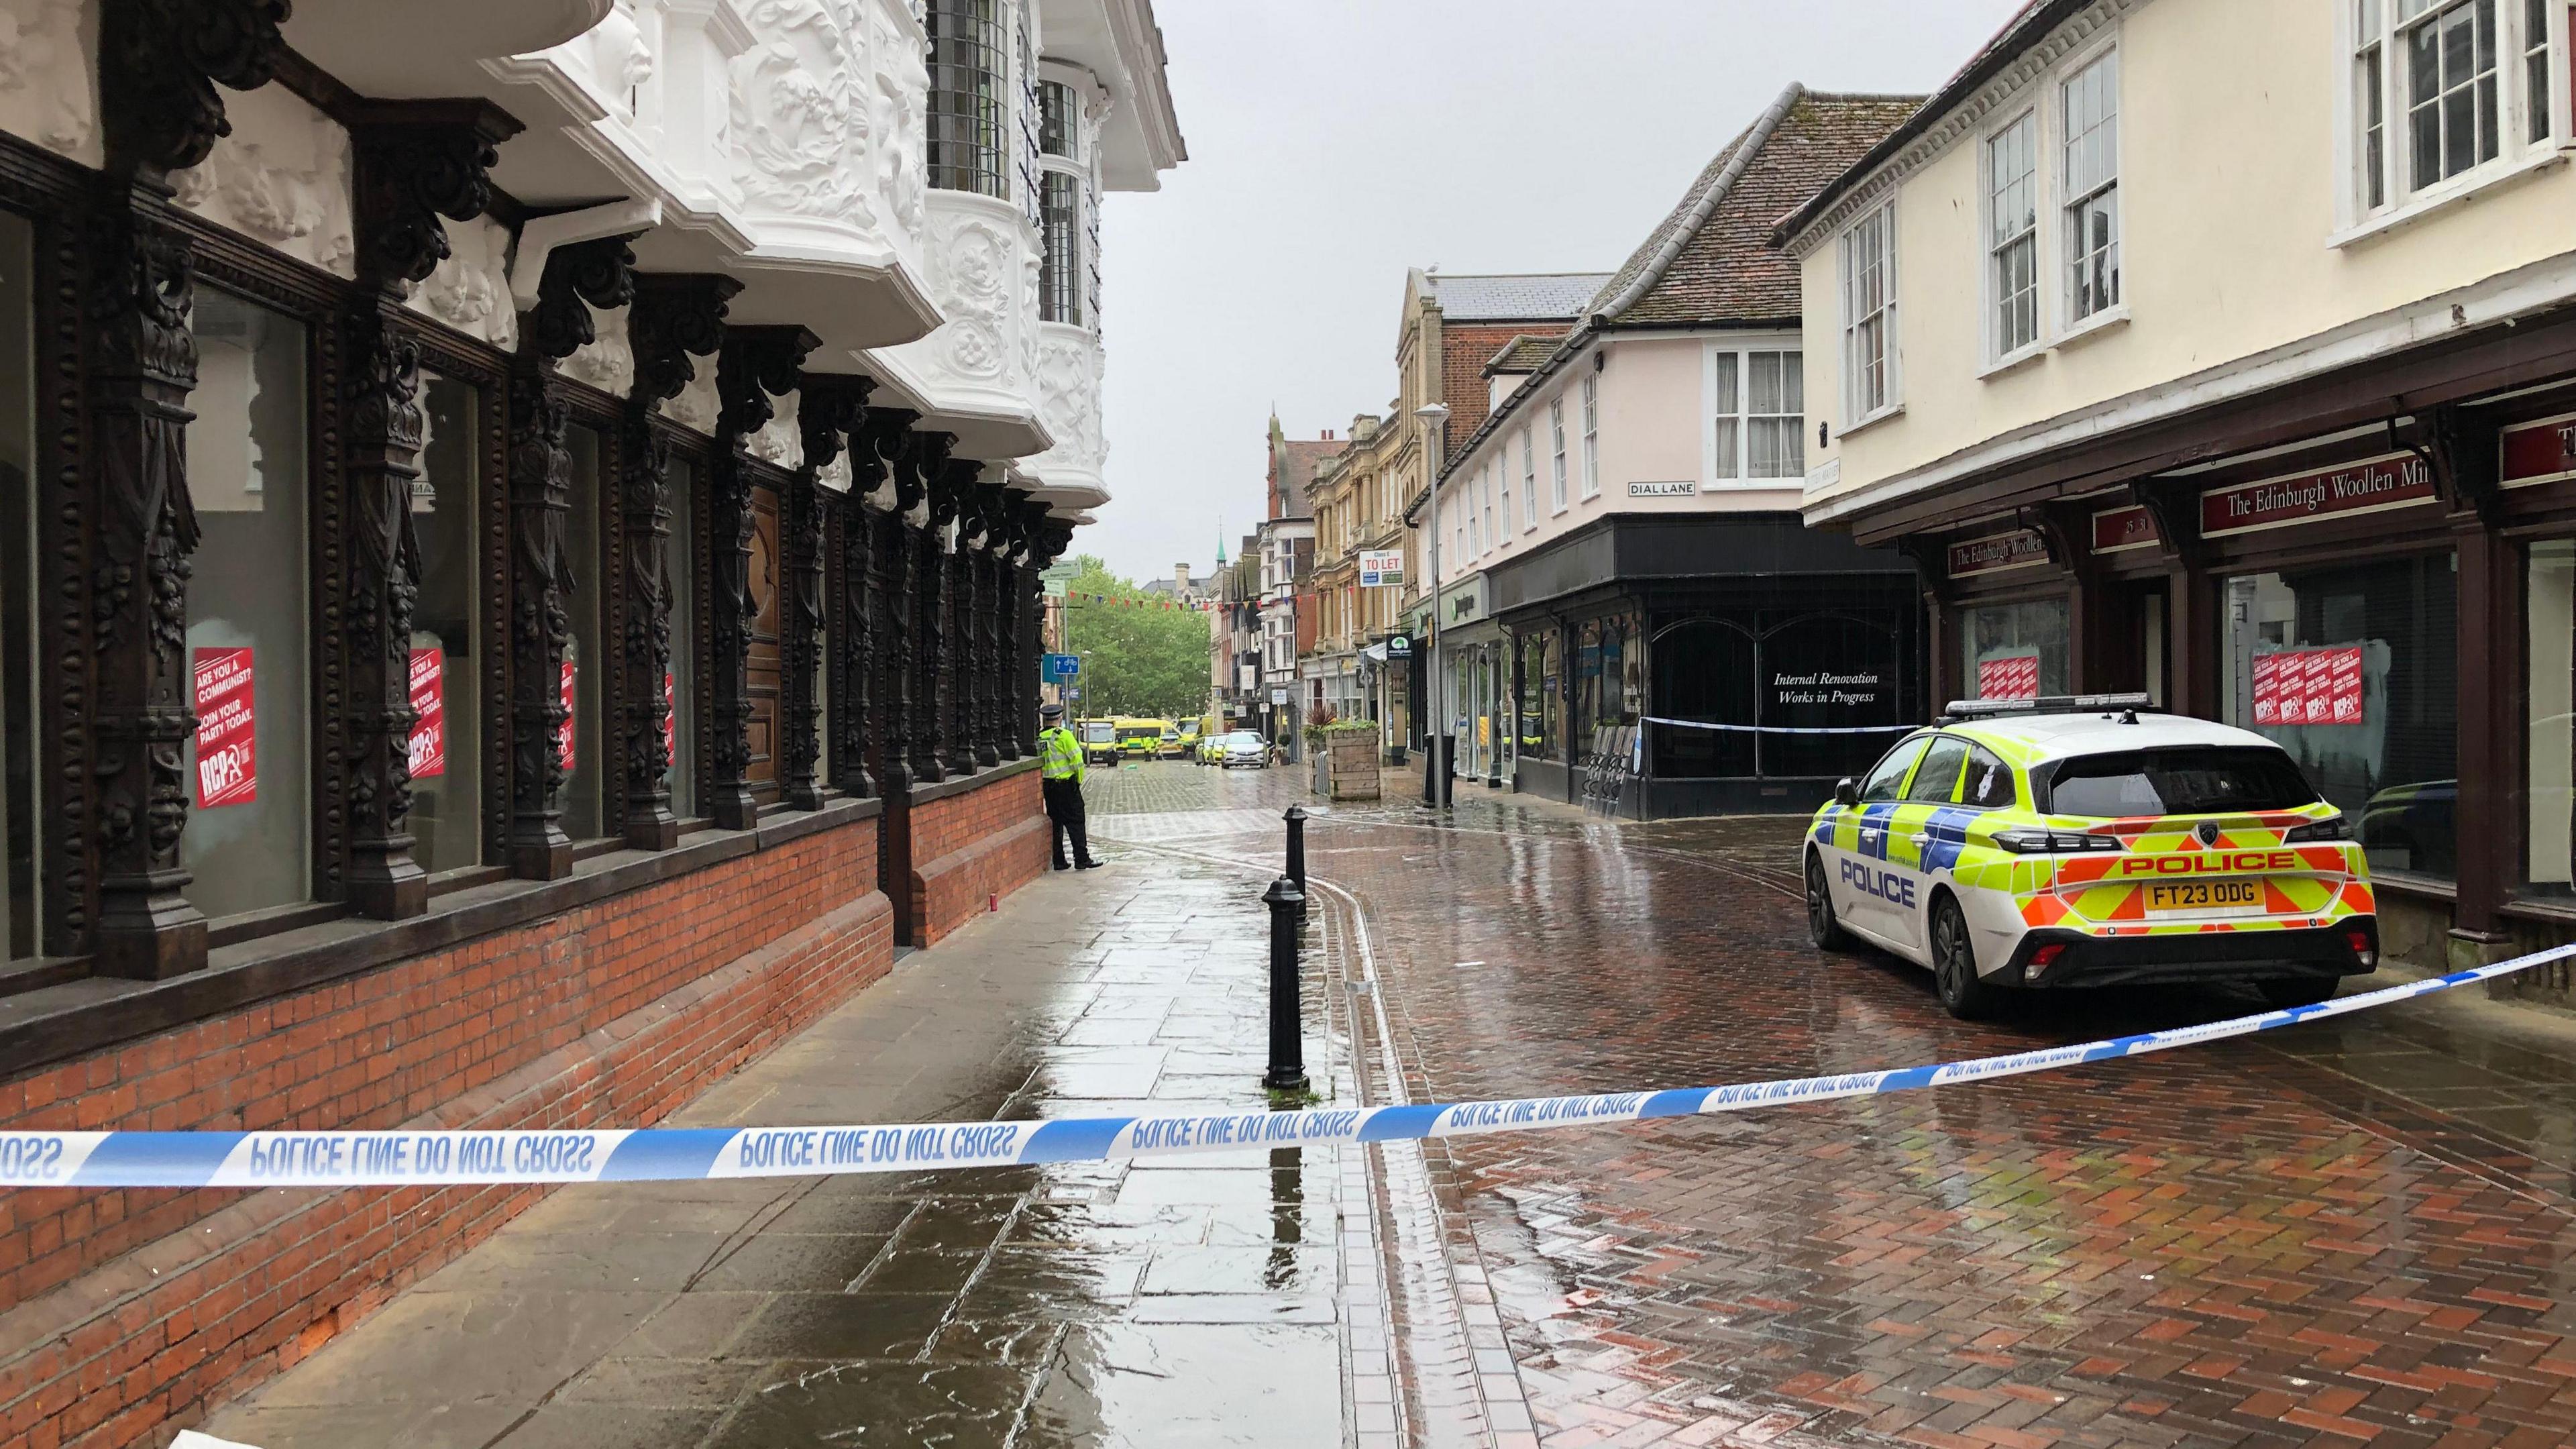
{"x": 2353, "y": 1232}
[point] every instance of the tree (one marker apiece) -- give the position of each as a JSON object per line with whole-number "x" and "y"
{"x": 1148, "y": 654}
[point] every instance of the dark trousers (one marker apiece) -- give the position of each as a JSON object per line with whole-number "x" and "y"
{"x": 1064, "y": 808}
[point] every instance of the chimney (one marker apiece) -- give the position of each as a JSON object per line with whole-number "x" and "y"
{"x": 1328, "y": 435}
{"x": 1180, "y": 581}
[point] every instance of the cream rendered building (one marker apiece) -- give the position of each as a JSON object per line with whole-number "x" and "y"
{"x": 2226, "y": 349}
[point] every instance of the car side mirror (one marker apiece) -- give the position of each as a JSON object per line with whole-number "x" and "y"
{"x": 1846, "y": 791}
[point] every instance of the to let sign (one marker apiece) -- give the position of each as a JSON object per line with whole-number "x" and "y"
{"x": 1381, "y": 567}
{"x": 227, "y": 740}
{"x": 428, "y": 700}
{"x": 2383, "y": 482}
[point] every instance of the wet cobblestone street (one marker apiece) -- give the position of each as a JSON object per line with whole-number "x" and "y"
{"x": 2349, "y": 1232}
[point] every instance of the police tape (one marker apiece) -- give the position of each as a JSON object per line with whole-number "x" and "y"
{"x": 428, "y": 1159}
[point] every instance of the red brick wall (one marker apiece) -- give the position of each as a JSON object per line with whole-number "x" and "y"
{"x": 121, "y": 1310}
{"x": 970, "y": 847}
{"x": 1464, "y": 351}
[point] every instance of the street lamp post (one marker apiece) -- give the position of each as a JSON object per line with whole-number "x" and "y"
{"x": 1435, "y": 764}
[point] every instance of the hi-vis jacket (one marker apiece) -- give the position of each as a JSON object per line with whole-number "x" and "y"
{"x": 1059, "y": 755}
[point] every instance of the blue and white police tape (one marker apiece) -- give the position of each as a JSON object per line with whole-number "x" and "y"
{"x": 421, "y": 1159}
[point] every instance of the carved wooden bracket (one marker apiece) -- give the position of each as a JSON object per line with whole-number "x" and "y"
{"x": 2174, "y": 507}
{"x": 416, "y": 162}
{"x": 827, "y": 407}
{"x": 159, "y": 62}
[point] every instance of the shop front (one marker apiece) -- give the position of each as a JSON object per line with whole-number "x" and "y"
{"x": 2392, "y": 600}
{"x": 1470, "y": 680}
{"x": 1737, "y": 662}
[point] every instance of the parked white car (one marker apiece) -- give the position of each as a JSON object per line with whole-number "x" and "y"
{"x": 1246, "y": 747}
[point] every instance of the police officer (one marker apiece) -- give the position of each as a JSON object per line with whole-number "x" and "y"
{"x": 1060, "y": 767}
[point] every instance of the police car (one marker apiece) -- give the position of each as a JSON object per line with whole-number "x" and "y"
{"x": 2089, "y": 841}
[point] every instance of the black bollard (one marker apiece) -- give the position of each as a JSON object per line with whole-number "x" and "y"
{"x": 1287, "y": 1046}
{"x": 1296, "y": 818}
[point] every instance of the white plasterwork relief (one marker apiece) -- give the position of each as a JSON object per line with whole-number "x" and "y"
{"x": 1069, "y": 401}
{"x": 48, "y": 76}
{"x": 695, "y": 405}
{"x": 798, "y": 114}
{"x": 470, "y": 291}
{"x": 607, "y": 361}
{"x": 896, "y": 119}
{"x": 835, "y": 475}
{"x": 781, "y": 441}
{"x": 281, "y": 177}
{"x": 972, "y": 275}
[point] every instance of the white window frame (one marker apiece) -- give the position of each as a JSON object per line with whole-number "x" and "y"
{"x": 2517, "y": 154}
{"x": 1556, "y": 436}
{"x": 1529, "y": 483}
{"x": 1997, "y": 354}
{"x": 1891, "y": 399}
{"x": 2067, "y": 200}
{"x": 1735, "y": 475}
{"x": 1591, "y": 438}
{"x": 1503, "y": 521}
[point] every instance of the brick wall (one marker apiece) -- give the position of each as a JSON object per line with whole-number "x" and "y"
{"x": 124, "y": 1310}
{"x": 1464, "y": 351}
{"x": 974, "y": 845}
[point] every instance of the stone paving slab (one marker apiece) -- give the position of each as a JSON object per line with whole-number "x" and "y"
{"x": 1078, "y": 1303}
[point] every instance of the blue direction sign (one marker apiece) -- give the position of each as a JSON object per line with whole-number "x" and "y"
{"x": 1058, "y": 668}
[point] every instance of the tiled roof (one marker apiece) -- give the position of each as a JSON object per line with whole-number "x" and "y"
{"x": 1534, "y": 297}
{"x": 1726, "y": 269}
{"x": 1524, "y": 353}
{"x": 1306, "y": 458}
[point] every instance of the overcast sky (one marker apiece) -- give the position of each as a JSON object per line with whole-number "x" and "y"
{"x": 1334, "y": 143}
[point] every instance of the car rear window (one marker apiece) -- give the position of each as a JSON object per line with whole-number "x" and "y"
{"x": 2184, "y": 780}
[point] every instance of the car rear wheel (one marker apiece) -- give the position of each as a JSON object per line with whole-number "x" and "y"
{"x": 1964, "y": 994}
{"x": 1823, "y": 927}
{"x": 2297, "y": 991}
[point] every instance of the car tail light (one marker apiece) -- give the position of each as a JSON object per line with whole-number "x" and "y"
{"x": 2054, "y": 842}
{"x": 2333, "y": 827}
{"x": 2041, "y": 959}
{"x": 2364, "y": 950}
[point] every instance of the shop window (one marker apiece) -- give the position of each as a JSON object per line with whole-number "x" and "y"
{"x": 1538, "y": 691}
{"x": 1706, "y": 672}
{"x": 585, "y": 666}
{"x": 250, "y": 836}
{"x": 2014, "y": 651}
{"x": 2550, "y": 860}
{"x": 21, "y": 683}
{"x": 680, "y": 686}
{"x": 447, "y": 631}
{"x": 2352, "y": 669}
{"x": 1828, "y": 672}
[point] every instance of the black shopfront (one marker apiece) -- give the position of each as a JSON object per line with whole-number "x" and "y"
{"x": 1739, "y": 663}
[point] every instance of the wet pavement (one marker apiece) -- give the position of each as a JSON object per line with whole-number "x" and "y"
{"x": 1203, "y": 1303}
{"x": 2350, "y": 1232}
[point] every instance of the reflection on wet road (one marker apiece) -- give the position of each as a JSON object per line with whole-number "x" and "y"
{"x": 1193, "y": 1304}
{"x": 2356, "y": 1231}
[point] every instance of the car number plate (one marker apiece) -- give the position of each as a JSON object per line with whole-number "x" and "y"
{"x": 2207, "y": 897}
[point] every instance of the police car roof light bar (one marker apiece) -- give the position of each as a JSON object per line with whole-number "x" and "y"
{"x": 1960, "y": 709}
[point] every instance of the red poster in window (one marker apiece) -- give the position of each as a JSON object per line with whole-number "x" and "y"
{"x": 227, "y": 741}
{"x": 563, "y": 734}
{"x": 429, "y": 701}
{"x": 2308, "y": 686}
{"x": 670, "y": 724}
{"x": 2015, "y": 676}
